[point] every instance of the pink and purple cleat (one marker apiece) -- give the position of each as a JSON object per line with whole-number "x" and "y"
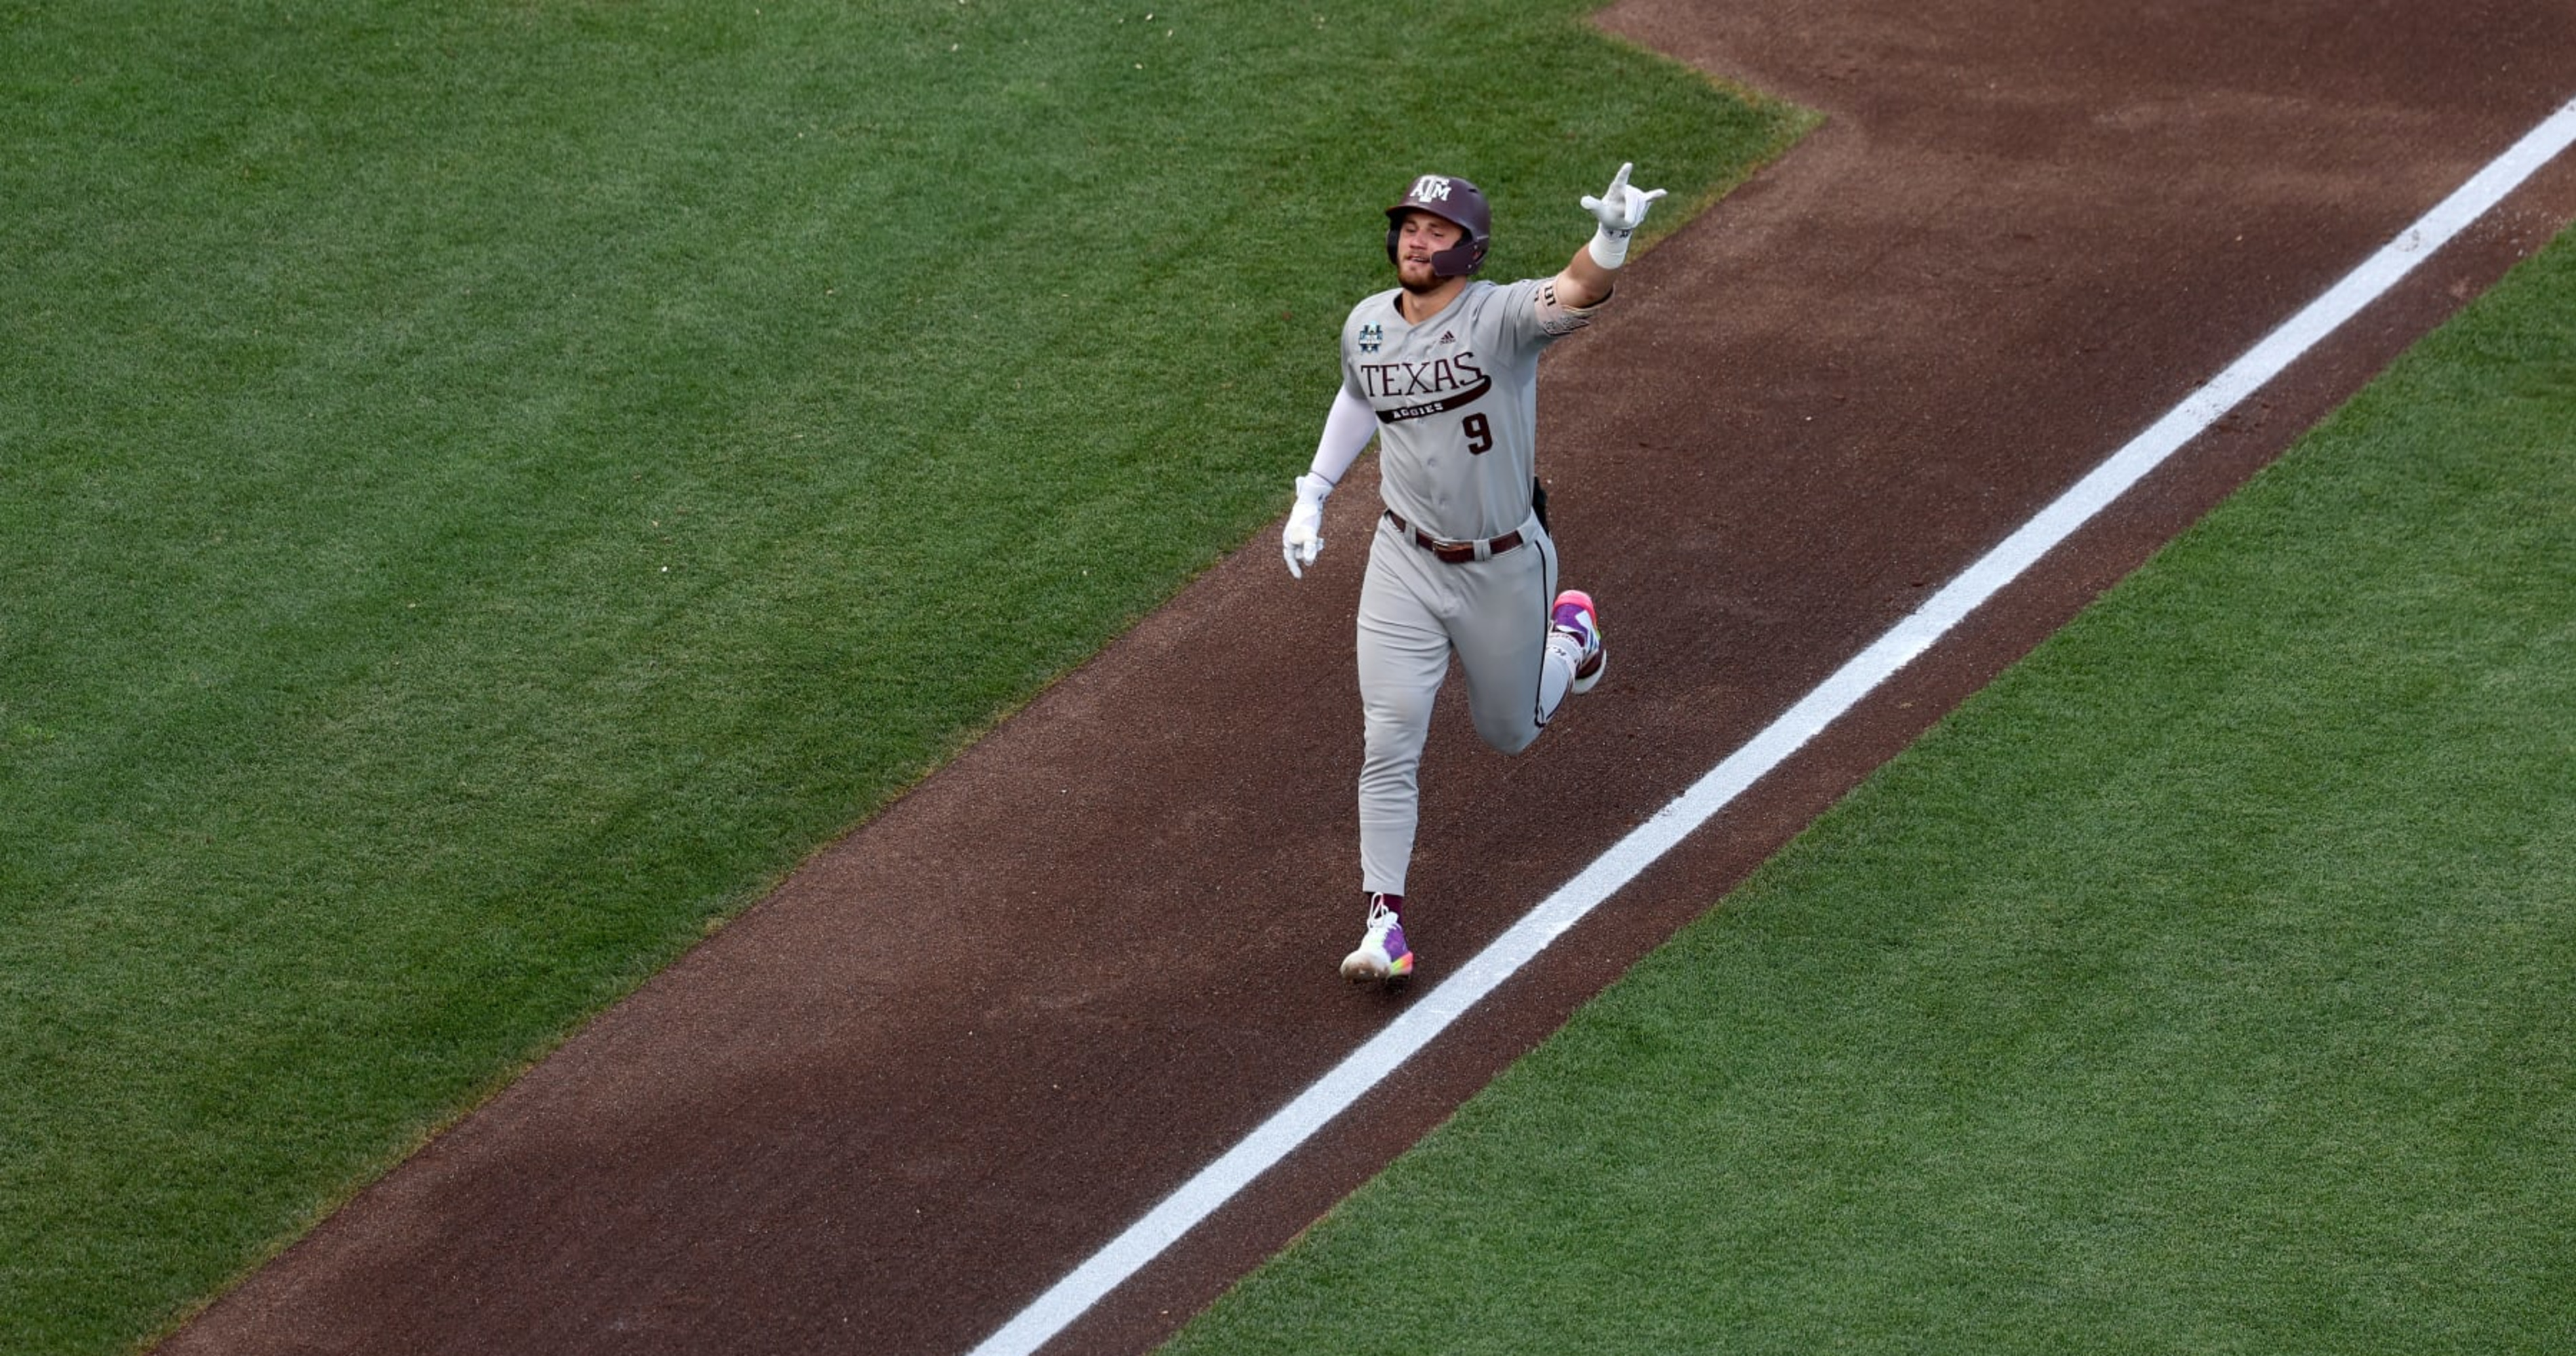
{"x": 1574, "y": 618}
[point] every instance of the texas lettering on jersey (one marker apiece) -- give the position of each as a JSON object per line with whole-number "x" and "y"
{"x": 1452, "y": 382}
{"x": 1456, "y": 400}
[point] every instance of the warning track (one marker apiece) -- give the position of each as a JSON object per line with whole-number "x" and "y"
{"x": 850, "y": 1122}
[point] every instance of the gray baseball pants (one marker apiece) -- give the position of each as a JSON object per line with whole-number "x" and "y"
{"x": 1415, "y": 612}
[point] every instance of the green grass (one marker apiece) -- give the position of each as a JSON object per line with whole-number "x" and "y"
{"x": 486, "y": 488}
{"x": 2208, "y": 984}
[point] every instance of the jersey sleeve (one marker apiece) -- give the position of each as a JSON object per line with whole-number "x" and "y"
{"x": 1526, "y": 314}
{"x": 1555, "y": 318}
{"x": 1351, "y": 323}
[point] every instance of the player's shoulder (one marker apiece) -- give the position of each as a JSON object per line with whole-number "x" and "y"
{"x": 1501, "y": 305}
{"x": 1484, "y": 292}
{"x": 1367, "y": 323}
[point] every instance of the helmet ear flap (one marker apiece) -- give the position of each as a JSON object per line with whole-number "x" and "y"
{"x": 1460, "y": 259}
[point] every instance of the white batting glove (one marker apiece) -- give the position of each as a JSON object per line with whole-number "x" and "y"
{"x": 1303, "y": 541}
{"x": 1620, "y": 210}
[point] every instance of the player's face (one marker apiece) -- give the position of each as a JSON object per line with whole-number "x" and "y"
{"x": 1419, "y": 236}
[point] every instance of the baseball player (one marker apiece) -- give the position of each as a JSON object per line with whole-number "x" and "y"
{"x": 1443, "y": 373}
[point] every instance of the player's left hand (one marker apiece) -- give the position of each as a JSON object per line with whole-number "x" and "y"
{"x": 1621, "y": 208}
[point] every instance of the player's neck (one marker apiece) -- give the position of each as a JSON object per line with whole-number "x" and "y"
{"x": 1417, "y": 307}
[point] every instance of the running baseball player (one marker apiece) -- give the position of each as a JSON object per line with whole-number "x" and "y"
{"x": 1443, "y": 372}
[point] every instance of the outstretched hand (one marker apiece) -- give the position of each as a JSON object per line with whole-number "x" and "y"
{"x": 1620, "y": 209}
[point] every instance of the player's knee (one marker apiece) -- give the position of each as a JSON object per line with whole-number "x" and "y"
{"x": 1510, "y": 738}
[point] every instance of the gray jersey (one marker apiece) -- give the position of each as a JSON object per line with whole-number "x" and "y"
{"x": 1457, "y": 401}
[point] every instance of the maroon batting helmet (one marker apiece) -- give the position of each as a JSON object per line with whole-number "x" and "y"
{"x": 1457, "y": 202}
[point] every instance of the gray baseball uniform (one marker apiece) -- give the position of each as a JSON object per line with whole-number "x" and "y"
{"x": 1456, "y": 399}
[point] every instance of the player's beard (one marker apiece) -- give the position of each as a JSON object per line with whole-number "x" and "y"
{"x": 1429, "y": 280}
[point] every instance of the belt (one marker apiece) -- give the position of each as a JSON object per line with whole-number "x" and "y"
{"x": 1455, "y": 552}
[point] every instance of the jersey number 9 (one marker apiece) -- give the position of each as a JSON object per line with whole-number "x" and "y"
{"x": 1480, "y": 434}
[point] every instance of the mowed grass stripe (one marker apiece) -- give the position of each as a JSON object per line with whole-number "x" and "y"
{"x": 486, "y": 489}
{"x": 2204, "y": 985}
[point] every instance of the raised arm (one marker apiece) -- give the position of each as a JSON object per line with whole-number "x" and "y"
{"x": 1617, "y": 213}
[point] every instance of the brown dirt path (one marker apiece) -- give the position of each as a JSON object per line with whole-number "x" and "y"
{"x": 891, "y": 1104}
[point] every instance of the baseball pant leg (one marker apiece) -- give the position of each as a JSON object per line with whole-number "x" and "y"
{"x": 1403, "y": 656}
{"x": 1501, "y": 636}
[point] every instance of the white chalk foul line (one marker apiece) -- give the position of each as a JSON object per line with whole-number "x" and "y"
{"x": 1432, "y": 1014}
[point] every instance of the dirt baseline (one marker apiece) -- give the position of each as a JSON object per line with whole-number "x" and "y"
{"x": 2025, "y": 232}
